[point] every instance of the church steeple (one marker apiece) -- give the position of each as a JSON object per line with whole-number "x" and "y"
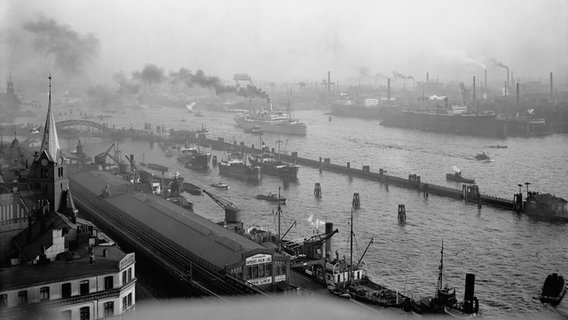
{"x": 50, "y": 141}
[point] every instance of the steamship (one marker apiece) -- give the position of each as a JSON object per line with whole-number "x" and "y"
{"x": 368, "y": 108}
{"x": 268, "y": 120}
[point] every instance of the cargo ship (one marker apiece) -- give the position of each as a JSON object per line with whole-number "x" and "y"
{"x": 268, "y": 120}
{"x": 237, "y": 168}
{"x": 368, "y": 108}
{"x": 192, "y": 158}
{"x": 272, "y": 165}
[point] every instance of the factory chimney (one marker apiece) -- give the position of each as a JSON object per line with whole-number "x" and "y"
{"x": 517, "y": 94}
{"x": 328, "y": 81}
{"x": 507, "y": 83}
{"x": 427, "y": 77}
{"x": 485, "y": 80}
{"x": 474, "y": 101}
{"x": 388, "y": 89}
{"x": 551, "y": 88}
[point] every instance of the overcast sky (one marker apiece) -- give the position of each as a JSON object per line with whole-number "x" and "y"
{"x": 294, "y": 40}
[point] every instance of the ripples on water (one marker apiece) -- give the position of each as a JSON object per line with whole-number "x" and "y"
{"x": 510, "y": 254}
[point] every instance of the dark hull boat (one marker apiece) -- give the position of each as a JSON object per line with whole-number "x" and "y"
{"x": 554, "y": 289}
{"x": 238, "y": 169}
{"x": 192, "y": 158}
{"x": 273, "y": 166}
{"x": 271, "y": 197}
{"x": 457, "y": 177}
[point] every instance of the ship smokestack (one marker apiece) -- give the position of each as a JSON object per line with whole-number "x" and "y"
{"x": 551, "y": 88}
{"x": 388, "y": 89}
{"x": 328, "y": 81}
{"x": 469, "y": 298}
{"x": 328, "y": 244}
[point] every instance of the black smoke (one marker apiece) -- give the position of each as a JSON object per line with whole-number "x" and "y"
{"x": 398, "y": 75}
{"x": 70, "y": 50}
{"x": 151, "y": 74}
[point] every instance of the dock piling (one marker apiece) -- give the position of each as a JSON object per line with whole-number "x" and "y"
{"x": 317, "y": 190}
{"x": 356, "y": 202}
{"x": 401, "y": 214}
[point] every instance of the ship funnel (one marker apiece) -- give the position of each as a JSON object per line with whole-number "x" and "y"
{"x": 470, "y": 302}
{"x": 328, "y": 245}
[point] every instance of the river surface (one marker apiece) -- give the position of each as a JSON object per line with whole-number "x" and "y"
{"x": 510, "y": 254}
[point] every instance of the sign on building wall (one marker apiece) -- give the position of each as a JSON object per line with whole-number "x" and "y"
{"x": 126, "y": 261}
{"x": 260, "y": 281}
{"x": 258, "y": 259}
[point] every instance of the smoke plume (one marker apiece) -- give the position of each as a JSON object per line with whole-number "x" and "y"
{"x": 70, "y": 50}
{"x": 398, "y": 75}
{"x": 499, "y": 64}
{"x": 151, "y": 74}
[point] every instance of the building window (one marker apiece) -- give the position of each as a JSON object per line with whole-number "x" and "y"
{"x": 3, "y": 301}
{"x": 85, "y": 313}
{"x": 84, "y": 287}
{"x": 108, "y": 282}
{"x": 44, "y": 294}
{"x": 22, "y": 297}
{"x": 129, "y": 274}
{"x": 123, "y": 277}
{"x": 129, "y": 300}
{"x": 124, "y": 306}
{"x": 108, "y": 309}
{"x": 66, "y": 290}
{"x": 66, "y": 315}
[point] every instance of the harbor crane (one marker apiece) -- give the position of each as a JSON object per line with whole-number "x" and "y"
{"x": 230, "y": 208}
{"x": 100, "y": 159}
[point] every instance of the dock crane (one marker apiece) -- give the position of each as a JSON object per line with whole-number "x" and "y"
{"x": 134, "y": 170}
{"x": 100, "y": 159}
{"x": 230, "y": 208}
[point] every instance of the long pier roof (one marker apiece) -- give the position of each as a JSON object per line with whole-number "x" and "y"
{"x": 200, "y": 236}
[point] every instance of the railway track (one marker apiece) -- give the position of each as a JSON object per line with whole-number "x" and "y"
{"x": 175, "y": 259}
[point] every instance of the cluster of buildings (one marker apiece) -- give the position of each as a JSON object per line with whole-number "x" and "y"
{"x": 53, "y": 263}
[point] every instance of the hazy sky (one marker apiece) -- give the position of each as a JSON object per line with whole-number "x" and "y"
{"x": 294, "y": 40}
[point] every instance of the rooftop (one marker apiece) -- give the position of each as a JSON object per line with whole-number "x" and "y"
{"x": 61, "y": 270}
{"x": 200, "y": 236}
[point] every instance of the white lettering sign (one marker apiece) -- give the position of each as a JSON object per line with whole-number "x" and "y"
{"x": 280, "y": 278}
{"x": 126, "y": 261}
{"x": 260, "y": 281}
{"x": 258, "y": 259}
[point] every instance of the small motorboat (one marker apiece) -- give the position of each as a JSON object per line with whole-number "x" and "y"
{"x": 220, "y": 185}
{"x": 481, "y": 156}
{"x": 554, "y": 289}
{"x": 256, "y": 129}
{"x": 457, "y": 177}
{"x": 271, "y": 197}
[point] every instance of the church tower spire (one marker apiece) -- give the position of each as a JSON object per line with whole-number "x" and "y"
{"x": 50, "y": 141}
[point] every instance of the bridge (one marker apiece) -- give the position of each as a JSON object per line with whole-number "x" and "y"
{"x": 84, "y": 123}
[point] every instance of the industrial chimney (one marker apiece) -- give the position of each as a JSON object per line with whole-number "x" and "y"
{"x": 389, "y": 89}
{"x": 474, "y": 101}
{"x": 551, "y": 89}
{"x": 328, "y": 81}
{"x": 485, "y": 80}
{"x": 427, "y": 77}
{"x": 517, "y": 94}
{"x": 507, "y": 83}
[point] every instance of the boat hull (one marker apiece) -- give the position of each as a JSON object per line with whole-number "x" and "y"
{"x": 240, "y": 171}
{"x": 453, "y": 177}
{"x": 274, "y": 127}
{"x": 284, "y": 170}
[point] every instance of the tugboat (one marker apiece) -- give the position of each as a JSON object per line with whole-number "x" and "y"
{"x": 271, "y": 197}
{"x": 445, "y": 301}
{"x": 235, "y": 167}
{"x": 481, "y": 156}
{"x": 554, "y": 289}
{"x": 345, "y": 280}
{"x": 457, "y": 177}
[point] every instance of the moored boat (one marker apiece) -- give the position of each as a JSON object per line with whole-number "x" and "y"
{"x": 236, "y": 168}
{"x": 220, "y": 185}
{"x": 193, "y": 158}
{"x": 157, "y": 167}
{"x": 457, "y": 177}
{"x": 274, "y": 166}
{"x": 445, "y": 300}
{"x": 554, "y": 289}
{"x": 271, "y": 197}
{"x": 481, "y": 156}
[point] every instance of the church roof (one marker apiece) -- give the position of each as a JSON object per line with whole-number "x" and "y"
{"x": 50, "y": 141}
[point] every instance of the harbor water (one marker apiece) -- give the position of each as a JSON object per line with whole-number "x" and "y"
{"x": 511, "y": 254}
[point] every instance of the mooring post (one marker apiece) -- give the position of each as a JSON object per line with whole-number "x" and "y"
{"x": 317, "y": 190}
{"x": 401, "y": 213}
{"x": 320, "y": 165}
{"x": 425, "y": 190}
{"x": 356, "y": 202}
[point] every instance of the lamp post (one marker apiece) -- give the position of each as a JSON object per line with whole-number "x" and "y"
{"x": 520, "y": 186}
{"x": 527, "y": 184}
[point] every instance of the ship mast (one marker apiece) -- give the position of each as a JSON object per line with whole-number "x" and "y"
{"x": 350, "y": 276}
{"x": 279, "y": 212}
{"x": 439, "y": 286}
